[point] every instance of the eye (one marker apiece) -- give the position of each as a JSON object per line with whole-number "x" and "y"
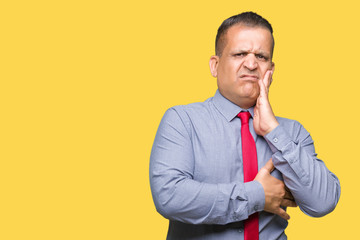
{"x": 261, "y": 57}
{"x": 241, "y": 54}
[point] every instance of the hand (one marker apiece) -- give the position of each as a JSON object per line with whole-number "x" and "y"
{"x": 289, "y": 200}
{"x": 264, "y": 118}
{"x": 276, "y": 193}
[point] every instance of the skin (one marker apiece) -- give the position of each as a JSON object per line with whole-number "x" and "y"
{"x": 244, "y": 61}
{"x": 244, "y": 74}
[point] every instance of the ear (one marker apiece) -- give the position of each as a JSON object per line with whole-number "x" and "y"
{"x": 214, "y": 61}
{"x": 272, "y": 69}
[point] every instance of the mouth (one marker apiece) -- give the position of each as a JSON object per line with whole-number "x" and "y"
{"x": 249, "y": 77}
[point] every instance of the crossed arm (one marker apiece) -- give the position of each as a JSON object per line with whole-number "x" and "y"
{"x": 307, "y": 180}
{"x": 178, "y": 196}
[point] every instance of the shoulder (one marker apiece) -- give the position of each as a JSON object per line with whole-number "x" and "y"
{"x": 192, "y": 110}
{"x": 188, "y": 116}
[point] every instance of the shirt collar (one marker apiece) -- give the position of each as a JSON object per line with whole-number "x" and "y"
{"x": 227, "y": 108}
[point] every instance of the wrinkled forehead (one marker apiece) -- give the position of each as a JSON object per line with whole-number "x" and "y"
{"x": 249, "y": 38}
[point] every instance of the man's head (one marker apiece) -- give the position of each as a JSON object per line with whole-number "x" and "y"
{"x": 248, "y": 19}
{"x": 244, "y": 47}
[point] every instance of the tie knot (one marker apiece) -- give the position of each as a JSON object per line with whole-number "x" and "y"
{"x": 244, "y": 117}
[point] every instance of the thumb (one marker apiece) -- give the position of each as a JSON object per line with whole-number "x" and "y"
{"x": 269, "y": 166}
{"x": 256, "y": 111}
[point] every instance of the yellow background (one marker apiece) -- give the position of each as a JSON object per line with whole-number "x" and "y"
{"x": 84, "y": 85}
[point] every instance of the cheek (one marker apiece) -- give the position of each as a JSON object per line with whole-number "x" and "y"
{"x": 264, "y": 68}
{"x": 227, "y": 73}
{"x": 231, "y": 66}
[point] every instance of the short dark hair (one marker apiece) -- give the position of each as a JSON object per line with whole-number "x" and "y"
{"x": 249, "y": 19}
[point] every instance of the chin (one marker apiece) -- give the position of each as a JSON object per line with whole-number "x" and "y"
{"x": 250, "y": 99}
{"x": 249, "y": 93}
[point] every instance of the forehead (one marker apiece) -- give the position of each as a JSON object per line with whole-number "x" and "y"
{"x": 248, "y": 38}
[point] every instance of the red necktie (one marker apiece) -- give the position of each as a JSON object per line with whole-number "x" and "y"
{"x": 250, "y": 167}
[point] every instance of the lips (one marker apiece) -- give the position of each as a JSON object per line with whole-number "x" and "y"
{"x": 251, "y": 77}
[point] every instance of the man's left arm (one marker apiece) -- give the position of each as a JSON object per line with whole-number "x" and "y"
{"x": 315, "y": 189}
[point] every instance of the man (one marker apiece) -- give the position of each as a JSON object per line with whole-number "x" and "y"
{"x": 202, "y": 163}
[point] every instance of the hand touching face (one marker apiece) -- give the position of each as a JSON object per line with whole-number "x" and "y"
{"x": 264, "y": 118}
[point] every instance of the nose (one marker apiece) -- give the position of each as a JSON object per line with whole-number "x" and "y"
{"x": 250, "y": 62}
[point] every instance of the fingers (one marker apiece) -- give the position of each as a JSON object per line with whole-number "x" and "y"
{"x": 265, "y": 83}
{"x": 269, "y": 166}
{"x": 288, "y": 194}
{"x": 267, "y": 79}
{"x": 283, "y": 214}
{"x": 256, "y": 111}
{"x": 288, "y": 203}
{"x": 262, "y": 88}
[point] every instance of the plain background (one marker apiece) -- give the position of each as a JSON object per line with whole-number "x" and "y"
{"x": 84, "y": 85}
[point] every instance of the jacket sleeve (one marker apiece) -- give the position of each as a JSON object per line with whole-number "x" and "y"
{"x": 315, "y": 189}
{"x": 177, "y": 196}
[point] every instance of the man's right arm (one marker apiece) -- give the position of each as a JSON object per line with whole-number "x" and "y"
{"x": 177, "y": 196}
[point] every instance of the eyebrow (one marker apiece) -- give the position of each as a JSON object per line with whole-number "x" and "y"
{"x": 247, "y": 51}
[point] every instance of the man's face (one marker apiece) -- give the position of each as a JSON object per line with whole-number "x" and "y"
{"x": 244, "y": 60}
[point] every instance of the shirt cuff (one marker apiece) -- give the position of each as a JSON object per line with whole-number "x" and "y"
{"x": 277, "y": 139}
{"x": 256, "y": 196}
